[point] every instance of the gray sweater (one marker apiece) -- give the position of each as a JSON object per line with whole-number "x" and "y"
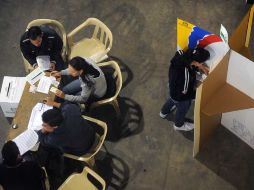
{"x": 98, "y": 90}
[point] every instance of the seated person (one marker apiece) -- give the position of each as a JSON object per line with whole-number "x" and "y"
{"x": 17, "y": 174}
{"x": 90, "y": 86}
{"x": 66, "y": 129}
{"x": 39, "y": 41}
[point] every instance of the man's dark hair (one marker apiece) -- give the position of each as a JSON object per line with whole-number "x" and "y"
{"x": 200, "y": 55}
{"x": 10, "y": 153}
{"x": 34, "y": 32}
{"x": 52, "y": 117}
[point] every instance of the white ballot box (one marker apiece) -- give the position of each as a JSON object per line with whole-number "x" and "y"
{"x": 11, "y": 92}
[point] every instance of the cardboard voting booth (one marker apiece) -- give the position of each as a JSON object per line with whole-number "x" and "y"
{"x": 11, "y": 92}
{"x": 226, "y": 97}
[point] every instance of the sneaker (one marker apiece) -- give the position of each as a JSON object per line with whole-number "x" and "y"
{"x": 185, "y": 127}
{"x": 163, "y": 116}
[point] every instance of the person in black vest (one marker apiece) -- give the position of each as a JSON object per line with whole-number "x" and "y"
{"x": 18, "y": 174}
{"x": 38, "y": 41}
{"x": 182, "y": 81}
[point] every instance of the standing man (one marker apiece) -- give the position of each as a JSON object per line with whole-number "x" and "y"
{"x": 38, "y": 41}
{"x": 182, "y": 80}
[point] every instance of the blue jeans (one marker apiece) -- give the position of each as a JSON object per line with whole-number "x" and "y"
{"x": 73, "y": 88}
{"x": 182, "y": 108}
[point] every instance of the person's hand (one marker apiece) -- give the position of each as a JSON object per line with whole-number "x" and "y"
{"x": 48, "y": 101}
{"x": 43, "y": 130}
{"x": 197, "y": 64}
{"x": 204, "y": 69}
{"x": 36, "y": 66}
{"x": 52, "y": 66}
{"x": 55, "y": 74}
{"x": 60, "y": 93}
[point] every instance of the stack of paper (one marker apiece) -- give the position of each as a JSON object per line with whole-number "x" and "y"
{"x": 44, "y": 85}
{"x": 35, "y": 75}
{"x": 26, "y": 141}
{"x": 43, "y": 62}
{"x": 35, "y": 121}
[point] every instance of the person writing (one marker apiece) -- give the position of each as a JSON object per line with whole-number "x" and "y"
{"x": 182, "y": 81}
{"x": 90, "y": 85}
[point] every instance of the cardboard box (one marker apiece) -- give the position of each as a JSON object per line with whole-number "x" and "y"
{"x": 11, "y": 92}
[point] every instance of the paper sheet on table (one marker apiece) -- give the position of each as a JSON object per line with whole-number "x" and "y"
{"x": 35, "y": 121}
{"x": 35, "y": 75}
{"x": 44, "y": 85}
{"x": 43, "y": 62}
{"x": 26, "y": 141}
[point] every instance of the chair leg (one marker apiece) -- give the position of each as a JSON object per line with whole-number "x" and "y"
{"x": 91, "y": 162}
{"x": 116, "y": 107}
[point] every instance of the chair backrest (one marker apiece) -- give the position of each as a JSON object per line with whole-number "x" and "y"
{"x": 117, "y": 76}
{"x": 81, "y": 181}
{"x": 101, "y": 32}
{"x": 96, "y": 148}
{"x": 57, "y": 26}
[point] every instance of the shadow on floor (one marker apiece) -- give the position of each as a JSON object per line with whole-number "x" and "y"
{"x": 187, "y": 134}
{"x": 113, "y": 170}
{"x": 130, "y": 122}
{"x": 127, "y": 74}
{"x": 230, "y": 158}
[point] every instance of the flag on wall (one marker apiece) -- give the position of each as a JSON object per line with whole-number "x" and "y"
{"x": 191, "y": 36}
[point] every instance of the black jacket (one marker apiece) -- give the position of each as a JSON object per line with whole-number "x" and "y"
{"x": 51, "y": 45}
{"x": 182, "y": 77}
{"x": 24, "y": 176}
{"x": 74, "y": 135}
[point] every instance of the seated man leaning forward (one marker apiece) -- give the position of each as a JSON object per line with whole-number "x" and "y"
{"x": 65, "y": 128}
{"x": 18, "y": 174}
{"x": 38, "y": 41}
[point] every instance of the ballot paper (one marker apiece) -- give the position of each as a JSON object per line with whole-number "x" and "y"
{"x": 54, "y": 81}
{"x": 26, "y": 141}
{"x": 53, "y": 89}
{"x": 43, "y": 62}
{"x": 35, "y": 121}
{"x": 35, "y": 75}
{"x": 44, "y": 85}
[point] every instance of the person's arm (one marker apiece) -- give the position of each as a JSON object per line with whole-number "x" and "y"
{"x": 83, "y": 97}
{"x": 48, "y": 101}
{"x": 57, "y": 45}
{"x": 26, "y": 53}
{"x": 201, "y": 67}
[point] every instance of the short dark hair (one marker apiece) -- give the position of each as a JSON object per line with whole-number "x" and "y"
{"x": 10, "y": 153}
{"x": 52, "y": 117}
{"x": 200, "y": 55}
{"x": 34, "y": 32}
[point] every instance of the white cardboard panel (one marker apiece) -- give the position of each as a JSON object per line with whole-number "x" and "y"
{"x": 241, "y": 124}
{"x": 241, "y": 73}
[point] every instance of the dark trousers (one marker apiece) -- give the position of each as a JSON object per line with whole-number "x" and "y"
{"x": 52, "y": 159}
{"x": 182, "y": 108}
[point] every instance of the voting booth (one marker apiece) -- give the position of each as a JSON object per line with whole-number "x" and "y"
{"x": 226, "y": 97}
{"x": 11, "y": 92}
